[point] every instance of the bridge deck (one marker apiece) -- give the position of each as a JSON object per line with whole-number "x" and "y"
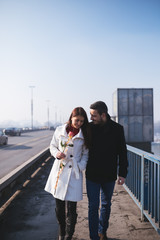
{"x": 31, "y": 215}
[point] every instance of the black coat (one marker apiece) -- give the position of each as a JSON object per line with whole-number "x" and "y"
{"x": 107, "y": 153}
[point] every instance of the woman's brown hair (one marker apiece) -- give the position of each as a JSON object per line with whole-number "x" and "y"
{"x": 79, "y": 111}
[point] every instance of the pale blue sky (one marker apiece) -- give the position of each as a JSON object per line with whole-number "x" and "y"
{"x": 75, "y": 52}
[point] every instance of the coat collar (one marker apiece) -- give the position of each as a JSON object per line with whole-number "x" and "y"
{"x": 78, "y": 135}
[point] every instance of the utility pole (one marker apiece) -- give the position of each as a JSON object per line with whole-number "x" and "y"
{"x": 31, "y": 87}
{"x": 55, "y": 115}
{"x": 48, "y": 112}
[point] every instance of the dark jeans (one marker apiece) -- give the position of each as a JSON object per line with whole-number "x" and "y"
{"x": 99, "y": 224}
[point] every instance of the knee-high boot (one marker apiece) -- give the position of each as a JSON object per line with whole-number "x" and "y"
{"x": 70, "y": 225}
{"x": 62, "y": 224}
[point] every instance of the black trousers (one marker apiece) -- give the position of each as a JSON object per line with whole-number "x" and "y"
{"x": 66, "y": 216}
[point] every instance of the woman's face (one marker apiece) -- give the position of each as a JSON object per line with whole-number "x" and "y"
{"x": 77, "y": 121}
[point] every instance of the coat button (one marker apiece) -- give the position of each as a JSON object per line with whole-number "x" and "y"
{"x": 70, "y": 166}
{"x": 71, "y": 155}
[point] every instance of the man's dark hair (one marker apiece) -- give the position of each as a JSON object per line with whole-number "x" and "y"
{"x": 100, "y": 106}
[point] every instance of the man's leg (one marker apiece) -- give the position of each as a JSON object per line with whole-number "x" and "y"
{"x": 106, "y": 196}
{"x": 93, "y": 193}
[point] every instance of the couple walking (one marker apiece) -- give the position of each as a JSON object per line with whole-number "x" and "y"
{"x": 99, "y": 148}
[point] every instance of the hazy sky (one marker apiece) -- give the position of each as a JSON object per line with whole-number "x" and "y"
{"x": 75, "y": 52}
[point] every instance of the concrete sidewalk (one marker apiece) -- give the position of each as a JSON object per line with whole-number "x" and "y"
{"x": 31, "y": 215}
{"x": 125, "y": 220}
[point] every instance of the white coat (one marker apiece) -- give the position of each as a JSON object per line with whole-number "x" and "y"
{"x": 70, "y": 182}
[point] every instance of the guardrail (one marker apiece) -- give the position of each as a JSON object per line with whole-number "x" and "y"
{"x": 143, "y": 184}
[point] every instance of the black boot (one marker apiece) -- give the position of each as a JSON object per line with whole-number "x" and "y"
{"x": 61, "y": 238}
{"x": 70, "y": 226}
{"x": 62, "y": 224}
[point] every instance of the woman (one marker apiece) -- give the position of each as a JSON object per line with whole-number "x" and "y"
{"x": 69, "y": 146}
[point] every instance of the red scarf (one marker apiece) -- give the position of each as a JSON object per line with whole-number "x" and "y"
{"x": 73, "y": 130}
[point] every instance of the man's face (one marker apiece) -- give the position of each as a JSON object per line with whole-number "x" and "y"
{"x": 96, "y": 117}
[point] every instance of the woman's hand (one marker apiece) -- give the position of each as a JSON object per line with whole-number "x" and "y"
{"x": 60, "y": 155}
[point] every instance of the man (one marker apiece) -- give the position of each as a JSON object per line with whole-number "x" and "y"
{"x": 107, "y": 157}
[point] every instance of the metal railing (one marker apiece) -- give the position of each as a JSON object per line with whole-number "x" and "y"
{"x": 143, "y": 184}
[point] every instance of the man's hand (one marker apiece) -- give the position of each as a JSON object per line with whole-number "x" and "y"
{"x": 121, "y": 180}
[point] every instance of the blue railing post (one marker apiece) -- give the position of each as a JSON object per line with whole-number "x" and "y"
{"x": 142, "y": 187}
{"x": 158, "y": 192}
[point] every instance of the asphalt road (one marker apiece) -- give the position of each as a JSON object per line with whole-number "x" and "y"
{"x": 21, "y": 148}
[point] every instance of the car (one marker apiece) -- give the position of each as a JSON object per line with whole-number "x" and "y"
{"x": 3, "y": 138}
{"x": 52, "y": 128}
{"x": 12, "y": 131}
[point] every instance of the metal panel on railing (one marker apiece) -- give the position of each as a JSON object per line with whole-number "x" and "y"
{"x": 143, "y": 183}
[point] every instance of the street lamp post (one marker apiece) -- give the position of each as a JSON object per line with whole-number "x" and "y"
{"x": 31, "y": 87}
{"x": 48, "y": 112}
{"x": 55, "y": 115}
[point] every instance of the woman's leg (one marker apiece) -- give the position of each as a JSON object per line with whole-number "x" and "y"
{"x": 60, "y": 214}
{"x": 71, "y": 219}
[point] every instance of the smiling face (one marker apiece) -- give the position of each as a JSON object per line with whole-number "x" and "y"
{"x": 77, "y": 121}
{"x": 96, "y": 117}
